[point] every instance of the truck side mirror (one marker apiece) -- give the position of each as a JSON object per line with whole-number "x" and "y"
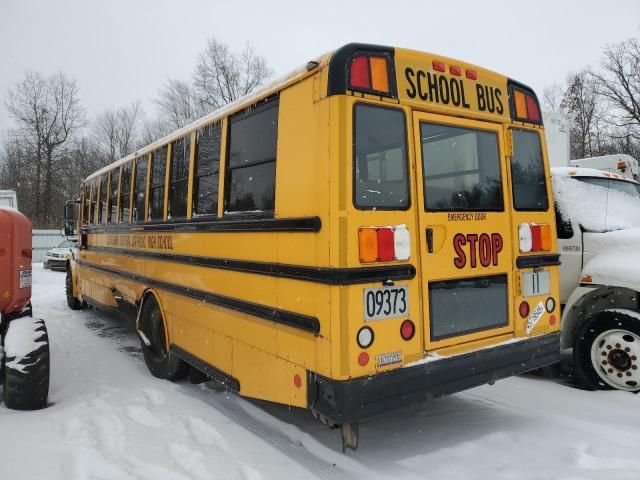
{"x": 69, "y": 218}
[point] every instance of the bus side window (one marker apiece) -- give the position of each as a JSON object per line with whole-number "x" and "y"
{"x": 563, "y": 225}
{"x": 93, "y": 214}
{"x": 87, "y": 204}
{"x": 113, "y": 197}
{"x": 179, "y": 177}
{"x": 251, "y": 160}
{"x": 140, "y": 189}
{"x": 102, "y": 207}
{"x": 207, "y": 170}
{"x": 156, "y": 184}
{"x": 125, "y": 193}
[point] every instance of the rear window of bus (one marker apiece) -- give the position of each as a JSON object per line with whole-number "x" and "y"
{"x": 461, "y": 168}
{"x": 527, "y": 172}
{"x": 380, "y": 158}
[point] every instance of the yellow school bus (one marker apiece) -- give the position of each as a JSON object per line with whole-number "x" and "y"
{"x": 373, "y": 230}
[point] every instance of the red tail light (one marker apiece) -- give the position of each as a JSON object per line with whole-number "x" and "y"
{"x": 360, "y": 72}
{"x": 386, "y": 250}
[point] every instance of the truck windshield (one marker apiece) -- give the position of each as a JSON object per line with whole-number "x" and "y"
{"x": 598, "y": 204}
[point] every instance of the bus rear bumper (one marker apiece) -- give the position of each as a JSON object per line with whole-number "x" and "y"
{"x": 352, "y": 400}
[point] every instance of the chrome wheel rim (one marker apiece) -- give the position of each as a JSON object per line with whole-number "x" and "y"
{"x": 615, "y": 356}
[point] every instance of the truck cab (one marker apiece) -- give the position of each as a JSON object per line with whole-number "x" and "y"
{"x": 598, "y": 225}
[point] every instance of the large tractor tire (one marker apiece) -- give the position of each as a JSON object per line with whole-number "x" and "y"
{"x": 607, "y": 351}
{"x": 26, "y": 369}
{"x": 161, "y": 362}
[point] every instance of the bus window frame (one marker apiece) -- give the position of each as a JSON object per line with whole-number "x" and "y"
{"x": 194, "y": 177}
{"x": 399, "y": 108}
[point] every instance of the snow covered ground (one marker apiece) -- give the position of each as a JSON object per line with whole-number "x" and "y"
{"x": 110, "y": 419}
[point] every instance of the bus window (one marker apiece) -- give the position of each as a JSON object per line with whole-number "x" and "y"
{"x": 102, "y": 208}
{"x": 140, "y": 189}
{"x": 252, "y": 159}
{"x": 178, "y": 178}
{"x": 125, "y": 193}
{"x": 381, "y": 180}
{"x": 113, "y": 197}
{"x": 527, "y": 172}
{"x": 461, "y": 168}
{"x": 207, "y": 170}
{"x": 86, "y": 217}
{"x": 156, "y": 184}
{"x": 93, "y": 214}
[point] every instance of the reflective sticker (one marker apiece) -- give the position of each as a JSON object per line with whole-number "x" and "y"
{"x": 388, "y": 359}
{"x": 402, "y": 242}
{"x": 534, "y": 317}
{"x": 25, "y": 278}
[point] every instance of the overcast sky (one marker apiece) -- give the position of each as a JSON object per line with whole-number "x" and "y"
{"x": 124, "y": 50}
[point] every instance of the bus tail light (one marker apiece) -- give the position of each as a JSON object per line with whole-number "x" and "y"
{"x": 407, "y": 330}
{"x": 524, "y": 104}
{"x": 534, "y": 237}
{"x": 384, "y": 244}
{"x": 369, "y": 72}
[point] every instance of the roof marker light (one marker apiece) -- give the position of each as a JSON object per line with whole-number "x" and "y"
{"x": 471, "y": 74}
{"x": 360, "y": 72}
{"x": 438, "y": 66}
{"x": 455, "y": 70}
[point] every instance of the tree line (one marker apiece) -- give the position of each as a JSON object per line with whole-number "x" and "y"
{"x": 54, "y": 143}
{"x": 602, "y": 103}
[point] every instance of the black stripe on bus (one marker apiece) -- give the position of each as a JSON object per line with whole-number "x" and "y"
{"x": 325, "y": 275}
{"x": 207, "y": 368}
{"x": 285, "y": 317}
{"x": 299, "y": 224}
{"x": 536, "y": 261}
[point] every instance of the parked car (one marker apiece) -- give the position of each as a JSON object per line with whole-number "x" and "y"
{"x": 56, "y": 258}
{"x": 598, "y": 223}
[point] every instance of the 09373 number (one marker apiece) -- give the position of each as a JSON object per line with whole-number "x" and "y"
{"x": 385, "y": 302}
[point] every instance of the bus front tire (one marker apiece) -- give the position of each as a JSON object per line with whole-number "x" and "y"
{"x": 607, "y": 351}
{"x": 160, "y": 362}
{"x": 72, "y": 302}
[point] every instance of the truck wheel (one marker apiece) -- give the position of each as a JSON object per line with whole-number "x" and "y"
{"x": 160, "y": 362}
{"x": 26, "y": 379}
{"x": 607, "y": 351}
{"x": 73, "y": 302}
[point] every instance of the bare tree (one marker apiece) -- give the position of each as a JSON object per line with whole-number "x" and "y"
{"x": 116, "y": 130}
{"x": 177, "y": 103}
{"x": 220, "y": 77}
{"x": 47, "y": 112}
{"x": 619, "y": 84}
{"x": 552, "y": 97}
{"x": 580, "y": 100}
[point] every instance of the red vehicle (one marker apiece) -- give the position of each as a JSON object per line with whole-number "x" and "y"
{"x": 24, "y": 343}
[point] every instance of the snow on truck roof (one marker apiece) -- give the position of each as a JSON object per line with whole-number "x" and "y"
{"x": 585, "y": 172}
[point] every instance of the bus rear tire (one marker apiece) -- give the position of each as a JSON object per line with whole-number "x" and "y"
{"x": 72, "y": 302}
{"x": 607, "y": 352}
{"x": 160, "y": 362}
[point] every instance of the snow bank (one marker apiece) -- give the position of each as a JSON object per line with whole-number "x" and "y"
{"x": 595, "y": 208}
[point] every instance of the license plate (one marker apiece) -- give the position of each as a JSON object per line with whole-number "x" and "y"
{"x": 535, "y": 283}
{"x": 386, "y": 302}
{"x": 388, "y": 359}
{"x": 25, "y": 278}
